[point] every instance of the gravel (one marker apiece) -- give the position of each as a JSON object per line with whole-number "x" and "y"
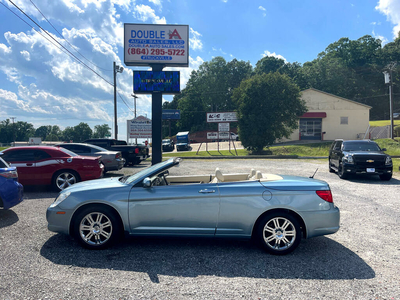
{"x": 360, "y": 261}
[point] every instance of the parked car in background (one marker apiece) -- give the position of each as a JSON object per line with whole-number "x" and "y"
{"x": 396, "y": 115}
{"x": 11, "y": 191}
{"x": 43, "y": 165}
{"x": 133, "y": 154}
{"x": 112, "y": 160}
{"x": 275, "y": 210}
{"x": 359, "y": 157}
{"x": 168, "y": 145}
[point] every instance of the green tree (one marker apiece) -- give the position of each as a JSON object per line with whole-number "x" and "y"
{"x": 82, "y": 132}
{"x": 269, "y": 106}
{"x": 101, "y": 131}
{"x": 43, "y": 131}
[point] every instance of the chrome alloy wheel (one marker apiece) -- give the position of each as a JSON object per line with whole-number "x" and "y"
{"x": 95, "y": 228}
{"x": 279, "y": 233}
{"x": 65, "y": 180}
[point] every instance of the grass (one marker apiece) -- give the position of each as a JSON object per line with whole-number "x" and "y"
{"x": 383, "y": 123}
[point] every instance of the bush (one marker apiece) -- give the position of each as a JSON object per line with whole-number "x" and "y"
{"x": 396, "y": 131}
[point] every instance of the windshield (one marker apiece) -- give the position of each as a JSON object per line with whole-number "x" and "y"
{"x": 151, "y": 170}
{"x": 361, "y": 146}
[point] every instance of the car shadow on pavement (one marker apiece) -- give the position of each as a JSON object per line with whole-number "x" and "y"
{"x": 318, "y": 258}
{"x": 7, "y": 218}
{"x": 372, "y": 180}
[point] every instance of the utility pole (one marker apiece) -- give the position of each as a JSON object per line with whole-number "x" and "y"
{"x": 13, "y": 129}
{"x": 134, "y": 105}
{"x": 117, "y": 69}
{"x": 389, "y": 81}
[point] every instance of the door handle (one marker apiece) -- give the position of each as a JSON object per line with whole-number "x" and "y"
{"x": 207, "y": 191}
{"x": 29, "y": 165}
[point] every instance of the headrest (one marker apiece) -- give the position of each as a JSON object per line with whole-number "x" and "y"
{"x": 219, "y": 175}
{"x": 259, "y": 175}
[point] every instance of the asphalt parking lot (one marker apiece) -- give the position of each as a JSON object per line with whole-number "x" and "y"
{"x": 361, "y": 261}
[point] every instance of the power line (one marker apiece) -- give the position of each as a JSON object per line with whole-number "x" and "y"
{"x": 66, "y": 39}
{"x": 71, "y": 54}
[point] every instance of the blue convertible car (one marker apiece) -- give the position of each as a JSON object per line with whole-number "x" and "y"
{"x": 11, "y": 191}
{"x": 276, "y": 210}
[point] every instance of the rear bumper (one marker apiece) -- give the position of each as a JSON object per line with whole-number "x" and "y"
{"x": 322, "y": 222}
{"x": 11, "y": 193}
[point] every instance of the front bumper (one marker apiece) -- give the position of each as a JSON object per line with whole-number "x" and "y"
{"x": 363, "y": 169}
{"x": 57, "y": 222}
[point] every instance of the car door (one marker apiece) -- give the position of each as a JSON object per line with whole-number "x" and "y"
{"x": 336, "y": 153}
{"x": 45, "y": 167}
{"x": 24, "y": 160}
{"x": 190, "y": 209}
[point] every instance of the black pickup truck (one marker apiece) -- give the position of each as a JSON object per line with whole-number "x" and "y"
{"x": 133, "y": 154}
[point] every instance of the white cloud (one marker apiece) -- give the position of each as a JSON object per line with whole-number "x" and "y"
{"x": 194, "y": 64}
{"x": 225, "y": 1}
{"x": 195, "y": 42}
{"x": 391, "y": 9}
{"x": 145, "y": 12}
{"x": 382, "y": 38}
{"x": 267, "y": 53}
{"x": 261, "y": 8}
{"x": 156, "y": 2}
{"x": 25, "y": 54}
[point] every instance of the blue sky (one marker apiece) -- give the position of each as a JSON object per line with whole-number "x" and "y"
{"x": 44, "y": 86}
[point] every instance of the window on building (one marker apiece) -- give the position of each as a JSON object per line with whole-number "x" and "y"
{"x": 344, "y": 120}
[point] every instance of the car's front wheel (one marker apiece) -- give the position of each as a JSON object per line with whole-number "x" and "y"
{"x": 341, "y": 173}
{"x": 279, "y": 233}
{"x": 64, "y": 179}
{"x": 96, "y": 227}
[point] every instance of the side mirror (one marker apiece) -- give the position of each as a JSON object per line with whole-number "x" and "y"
{"x": 383, "y": 149}
{"x": 147, "y": 182}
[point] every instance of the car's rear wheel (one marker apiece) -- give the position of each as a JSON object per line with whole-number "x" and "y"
{"x": 65, "y": 178}
{"x": 330, "y": 166}
{"x": 279, "y": 233}
{"x": 341, "y": 173}
{"x": 385, "y": 177}
{"x": 96, "y": 227}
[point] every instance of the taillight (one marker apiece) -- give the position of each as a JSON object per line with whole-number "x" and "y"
{"x": 118, "y": 155}
{"x": 325, "y": 195}
{"x": 10, "y": 174}
{"x": 137, "y": 151}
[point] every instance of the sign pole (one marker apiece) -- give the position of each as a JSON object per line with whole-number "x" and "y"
{"x": 156, "y": 122}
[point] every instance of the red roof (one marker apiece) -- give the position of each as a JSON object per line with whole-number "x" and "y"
{"x": 314, "y": 115}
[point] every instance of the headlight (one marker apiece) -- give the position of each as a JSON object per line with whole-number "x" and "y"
{"x": 60, "y": 199}
{"x": 388, "y": 160}
{"x": 348, "y": 159}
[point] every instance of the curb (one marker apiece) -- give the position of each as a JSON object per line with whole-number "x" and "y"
{"x": 253, "y": 157}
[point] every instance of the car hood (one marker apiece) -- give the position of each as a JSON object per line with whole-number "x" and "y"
{"x": 375, "y": 153}
{"x": 295, "y": 183}
{"x": 96, "y": 184}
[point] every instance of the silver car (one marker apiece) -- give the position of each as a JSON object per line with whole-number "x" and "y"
{"x": 276, "y": 210}
{"x": 112, "y": 160}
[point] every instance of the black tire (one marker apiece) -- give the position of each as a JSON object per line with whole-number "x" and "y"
{"x": 341, "y": 173}
{"x": 96, "y": 227}
{"x": 385, "y": 177}
{"x": 64, "y": 178}
{"x": 279, "y": 233}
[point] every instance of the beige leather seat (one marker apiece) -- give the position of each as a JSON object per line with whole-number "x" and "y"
{"x": 219, "y": 177}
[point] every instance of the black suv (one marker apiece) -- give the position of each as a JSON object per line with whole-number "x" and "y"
{"x": 359, "y": 157}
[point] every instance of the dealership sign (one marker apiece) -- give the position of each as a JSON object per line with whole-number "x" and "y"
{"x": 218, "y": 135}
{"x": 166, "y": 82}
{"x": 171, "y": 114}
{"x": 139, "y": 128}
{"x": 221, "y": 117}
{"x": 151, "y": 44}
